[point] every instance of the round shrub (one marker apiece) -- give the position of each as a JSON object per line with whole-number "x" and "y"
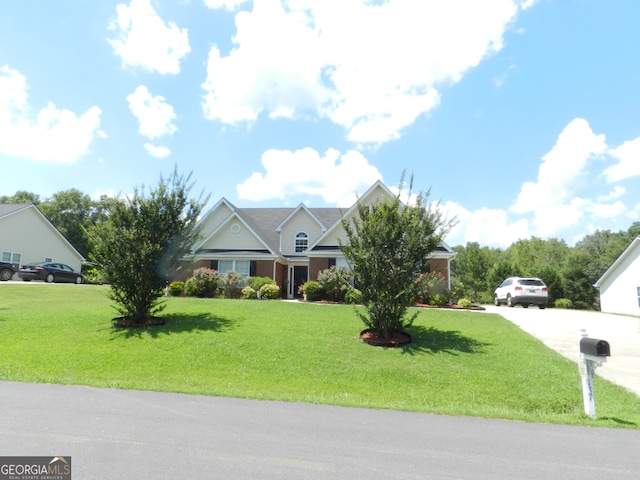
{"x": 248, "y": 292}
{"x": 312, "y": 291}
{"x": 464, "y": 303}
{"x": 353, "y": 296}
{"x": 176, "y": 288}
{"x": 269, "y": 291}
{"x": 563, "y": 303}
{"x": 438, "y": 300}
{"x": 257, "y": 282}
{"x": 203, "y": 283}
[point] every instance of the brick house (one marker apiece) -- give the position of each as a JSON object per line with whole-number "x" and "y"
{"x": 289, "y": 245}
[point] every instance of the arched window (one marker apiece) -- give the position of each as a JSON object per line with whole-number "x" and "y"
{"x": 302, "y": 242}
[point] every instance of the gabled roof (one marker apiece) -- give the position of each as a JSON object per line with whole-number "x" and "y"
{"x": 235, "y": 215}
{"x": 296, "y": 210}
{"x": 7, "y": 209}
{"x": 338, "y": 222}
{"x": 267, "y": 223}
{"x": 623, "y": 256}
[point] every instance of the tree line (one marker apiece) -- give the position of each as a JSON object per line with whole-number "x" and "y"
{"x": 568, "y": 272}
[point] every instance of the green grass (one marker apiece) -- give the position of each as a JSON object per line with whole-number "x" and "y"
{"x": 460, "y": 363}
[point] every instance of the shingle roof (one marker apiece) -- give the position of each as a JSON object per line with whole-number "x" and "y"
{"x": 264, "y": 221}
{"x": 7, "y": 208}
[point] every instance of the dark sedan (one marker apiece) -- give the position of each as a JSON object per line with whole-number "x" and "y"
{"x": 6, "y": 271}
{"x": 50, "y": 272}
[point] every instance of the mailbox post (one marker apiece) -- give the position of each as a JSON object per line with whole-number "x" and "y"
{"x": 593, "y": 353}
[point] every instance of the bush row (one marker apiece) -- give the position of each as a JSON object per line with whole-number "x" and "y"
{"x": 209, "y": 283}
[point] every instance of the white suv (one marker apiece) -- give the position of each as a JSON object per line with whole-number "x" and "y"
{"x": 521, "y": 291}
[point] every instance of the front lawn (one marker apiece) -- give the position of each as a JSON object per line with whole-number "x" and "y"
{"x": 460, "y": 362}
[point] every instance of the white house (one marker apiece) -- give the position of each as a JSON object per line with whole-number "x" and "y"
{"x": 26, "y": 236}
{"x": 620, "y": 284}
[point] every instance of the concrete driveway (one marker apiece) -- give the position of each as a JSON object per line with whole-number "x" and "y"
{"x": 560, "y": 330}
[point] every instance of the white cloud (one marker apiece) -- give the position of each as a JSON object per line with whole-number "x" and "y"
{"x": 157, "y": 151}
{"x": 335, "y": 177}
{"x": 628, "y": 166}
{"x": 525, "y": 4}
{"x": 603, "y": 210}
{"x": 551, "y": 219}
{"x": 144, "y": 40}
{"x": 485, "y": 226}
{"x": 55, "y": 135}
{"x": 153, "y": 113}
{"x": 617, "y": 192}
{"x": 560, "y": 168}
{"x": 226, "y": 4}
{"x": 374, "y": 77}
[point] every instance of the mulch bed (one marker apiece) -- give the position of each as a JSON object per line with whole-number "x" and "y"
{"x": 377, "y": 340}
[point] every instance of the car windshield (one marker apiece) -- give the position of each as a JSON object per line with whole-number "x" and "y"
{"x": 531, "y": 283}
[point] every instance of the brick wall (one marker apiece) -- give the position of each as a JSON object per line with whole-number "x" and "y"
{"x": 316, "y": 265}
{"x": 440, "y": 265}
{"x": 264, "y": 268}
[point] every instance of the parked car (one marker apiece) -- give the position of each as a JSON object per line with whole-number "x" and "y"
{"x": 7, "y": 270}
{"x": 521, "y": 291}
{"x": 50, "y": 272}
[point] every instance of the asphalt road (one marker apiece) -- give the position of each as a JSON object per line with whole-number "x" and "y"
{"x": 121, "y": 434}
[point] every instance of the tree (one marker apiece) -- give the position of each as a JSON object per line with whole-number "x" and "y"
{"x": 471, "y": 265}
{"x": 71, "y": 212}
{"x": 21, "y": 196}
{"x": 140, "y": 245}
{"x": 577, "y": 286}
{"x": 388, "y": 247}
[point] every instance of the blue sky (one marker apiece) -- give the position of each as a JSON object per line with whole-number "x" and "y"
{"x": 521, "y": 116}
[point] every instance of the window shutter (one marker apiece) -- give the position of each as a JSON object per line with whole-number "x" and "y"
{"x": 214, "y": 264}
{"x": 252, "y": 268}
{"x": 331, "y": 262}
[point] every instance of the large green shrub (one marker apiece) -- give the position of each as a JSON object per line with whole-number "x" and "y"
{"x": 141, "y": 244}
{"x": 335, "y": 281}
{"x": 257, "y": 282}
{"x": 312, "y": 290}
{"x": 389, "y": 245}
{"x": 203, "y": 283}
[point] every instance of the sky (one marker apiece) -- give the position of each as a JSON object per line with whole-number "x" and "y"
{"x": 520, "y": 118}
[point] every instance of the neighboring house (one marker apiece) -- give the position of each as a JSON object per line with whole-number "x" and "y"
{"x": 26, "y": 236}
{"x": 620, "y": 284}
{"x": 289, "y": 245}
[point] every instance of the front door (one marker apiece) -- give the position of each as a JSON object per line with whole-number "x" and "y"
{"x": 300, "y": 276}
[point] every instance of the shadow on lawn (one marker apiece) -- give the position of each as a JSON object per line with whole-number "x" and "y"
{"x": 432, "y": 340}
{"x": 177, "y": 323}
